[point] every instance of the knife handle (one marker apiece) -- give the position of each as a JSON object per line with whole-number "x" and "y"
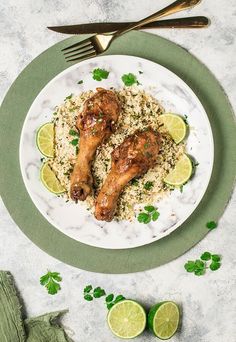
{"x": 190, "y": 22}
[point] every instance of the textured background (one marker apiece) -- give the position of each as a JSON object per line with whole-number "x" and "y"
{"x": 208, "y": 302}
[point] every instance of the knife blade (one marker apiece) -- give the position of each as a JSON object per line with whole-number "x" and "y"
{"x": 190, "y": 22}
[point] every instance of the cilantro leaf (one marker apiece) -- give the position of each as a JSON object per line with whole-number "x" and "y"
{"x": 98, "y": 292}
{"x": 73, "y": 132}
{"x": 134, "y": 182}
{"x": 129, "y": 79}
{"x": 155, "y": 215}
{"x": 74, "y": 142}
{"x": 148, "y": 185}
{"x": 144, "y": 218}
{"x": 80, "y": 82}
{"x": 215, "y": 257}
{"x": 215, "y": 265}
{"x": 190, "y": 266}
{"x": 51, "y": 281}
{"x": 88, "y": 288}
{"x": 211, "y": 225}
{"x": 119, "y": 298}
{"x": 88, "y": 297}
{"x": 109, "y": 298}
{"x": 110, "y": 305}
{"x": 199, "y": 271}
{"x": 99, "y": 74}
{"x": 149, "y": 208}
{"x": 206, "y": 256}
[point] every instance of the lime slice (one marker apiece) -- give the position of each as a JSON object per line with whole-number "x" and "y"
{"x": 181, "y": 173}
{"x": 175, "y": 125}
{"x": 45, "y": 139}
{"x": 127, "y": 319}
{"x": 50, "y": 180}
{"x": 163, "y": 320}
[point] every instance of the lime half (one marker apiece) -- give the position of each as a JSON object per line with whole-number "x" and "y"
{"x": 50, "y": 180}
{"x": 181, "y": 173}
{"x": 127, "y": 319}
{"x": 45, "y": 139}
{"x": 175, "y": 126}
{"x": 163, "y": 320}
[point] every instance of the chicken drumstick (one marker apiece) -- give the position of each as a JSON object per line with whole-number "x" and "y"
{"x": 134, "y": 157}
{"x": 95, "y": 123}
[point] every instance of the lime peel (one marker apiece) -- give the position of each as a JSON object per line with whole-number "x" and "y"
{"x": 181, "y": 173}
{"x": 50, "y": 180}
{"x": 45, "y": 139}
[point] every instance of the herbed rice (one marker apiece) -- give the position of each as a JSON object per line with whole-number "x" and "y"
{"x": 139, "y": 110}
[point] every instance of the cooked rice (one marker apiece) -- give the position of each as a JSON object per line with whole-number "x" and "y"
{"x": 139, "y": 110}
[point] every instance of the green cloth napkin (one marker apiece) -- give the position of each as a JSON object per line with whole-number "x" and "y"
{"x": 12, "y": 326}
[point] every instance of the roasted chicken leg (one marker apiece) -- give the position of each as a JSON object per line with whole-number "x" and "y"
{"x": 134, "y": 157}
{"x": 95, "y": 123}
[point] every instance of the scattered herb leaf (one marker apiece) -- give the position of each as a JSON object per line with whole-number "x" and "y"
{"x": 199, "y": 267}
{"x": 74, "y": 142}
{"x": 88, "y": 288}
{"x": 151, "y": 214}
{"x": 129, "y": 79}
{"x": 134, "y": 182}
{"x": 68, "y": 97}
{"x": 51, "y": 281}
{"x": 206, "y": 256}
{"x": 140, "y": 72}
{"x": 181, "y": 188}
{"x": 88, "y": 297}
{"x": 90, "y": 293}
{"x": 110, "y": 301}
{"x": 100, "y": 74}
{"x": 73, "y": 132}
{"x": 80, "y": 82}
{"x": 211, "y": 225}
{"x": 148, "y": 185}
{"x": 98, "y": 292}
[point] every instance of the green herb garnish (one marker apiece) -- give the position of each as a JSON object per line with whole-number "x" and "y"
{"x": 74, "y": 142}
{"x": 198, "y": 267}
{"x": 68, "y": 97}
{"x": 111, "y": 300}
{"x": 90, "y": 293}
{"x": 129, "y": 79}
{"x": 211, "y": 225}
{"x": 140, "y": 72}
{"x": 151, "y": 214}
{"x": 134, "y": 182}
{"x": 100, "y": 74}
{"x": 73, "y": 132}
{"x": 51, "y": 282}
{"x": 80, "y": 82}
{"x": 148, "y": 185}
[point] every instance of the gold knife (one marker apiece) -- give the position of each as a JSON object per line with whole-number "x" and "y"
{"x": 190, "y": 22}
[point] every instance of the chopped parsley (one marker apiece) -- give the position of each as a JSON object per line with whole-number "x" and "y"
{"x": 68, "y": 97}
{"x": 129, "y": 79}
{"x": 74, "y": 142}
{"x": 100, "y": 74}
{"x": 140, "y": 72}
{"x": 148, "y": 185}
{"x": 80, "y": 82}
{"x": 134, "y": 182}
{"x": 73, "y": 132}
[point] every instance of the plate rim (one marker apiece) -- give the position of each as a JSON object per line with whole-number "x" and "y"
{"x": 210, "y": 136}
{"x": 138, "y": 259}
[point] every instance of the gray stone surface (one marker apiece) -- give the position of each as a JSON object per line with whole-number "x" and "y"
{"x": 208, "y": 302}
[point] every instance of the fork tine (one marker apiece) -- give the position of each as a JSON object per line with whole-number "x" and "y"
{"x": 77, "y": 53}
{"x": 76, "y": 44}
{"x": 78, "y": 49}
{"x": 82, "y": 57}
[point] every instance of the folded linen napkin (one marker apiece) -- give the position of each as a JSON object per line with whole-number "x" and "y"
{"x": 12, "y": 326}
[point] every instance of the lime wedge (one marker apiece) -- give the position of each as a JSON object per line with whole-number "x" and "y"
{"x": 45, "y": 139}
{"x": 50, "y": 180}
{"x": 175, "y": 126}
{"x": 163, "y": 320}
{"x": 127, "y": 319}
{"x": 181, "y": 173}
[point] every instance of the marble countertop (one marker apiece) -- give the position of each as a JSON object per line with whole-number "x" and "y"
{"x": 208, "y": 302}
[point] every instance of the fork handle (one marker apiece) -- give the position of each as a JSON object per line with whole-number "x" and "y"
{"x": 176, "y": 6}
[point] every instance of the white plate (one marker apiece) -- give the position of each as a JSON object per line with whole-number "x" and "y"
{"x": 73, "y": 219}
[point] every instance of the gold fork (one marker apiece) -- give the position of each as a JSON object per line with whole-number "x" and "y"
{"x": 99, "y": 43}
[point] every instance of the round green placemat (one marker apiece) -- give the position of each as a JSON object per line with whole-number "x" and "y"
{"x": 15, "y": 107}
